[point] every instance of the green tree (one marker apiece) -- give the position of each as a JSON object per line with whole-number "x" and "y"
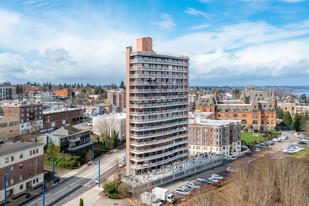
{"x": 287, "y": 119}
{"x": 297, "y": 122}
{"x": 280, "y": 113}
{"x": 17, "y": 89}
{"x": 83, "y": 90}
{"x": 121, "y": 85}
{"x": 235, "y": 91}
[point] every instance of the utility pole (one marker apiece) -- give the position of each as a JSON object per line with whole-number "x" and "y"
{"x": 92, "y": 151}
{"x": 5, "y": 189}
{"x": 99, "y": 174}
{"x": 43, "y": 194}
{"x": 54, "y": 170}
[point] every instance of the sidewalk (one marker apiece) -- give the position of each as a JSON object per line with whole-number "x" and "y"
{"x": 93, "y": 197}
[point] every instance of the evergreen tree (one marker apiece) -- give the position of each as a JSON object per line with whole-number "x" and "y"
{"x": 280, "y": 113}
{"x": 287, "y": 119}
{"x": 17, "y": 89}
{"x": 297, "y": 122}
{"x": 121, "y": 85}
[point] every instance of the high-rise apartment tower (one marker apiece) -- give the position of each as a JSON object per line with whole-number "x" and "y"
{"x": 157, "y": 108}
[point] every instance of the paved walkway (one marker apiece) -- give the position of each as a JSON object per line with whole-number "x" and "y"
{"x": 93, "y": 197}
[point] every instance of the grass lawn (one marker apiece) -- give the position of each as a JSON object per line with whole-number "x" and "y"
{"x": 300, "y": 153}
{"x": 248, "y": 137}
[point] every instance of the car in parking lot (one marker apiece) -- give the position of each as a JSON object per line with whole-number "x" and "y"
{"x": 213, "y": 179}
{"x": 233, "y": 157}
{"x": 302, "y": 142}
{"x": 257, "y": 149}
{"x": 230, "y": 169}
{"x": 195, "y": 185}
{"x": 271, "y": 142}
{"x": 248, "y": 153}
{"x": 181, "y": 191}
{"x": 188, "y": 187}
{"x": 216, "y": 176}
{"x": 201, "y": 179}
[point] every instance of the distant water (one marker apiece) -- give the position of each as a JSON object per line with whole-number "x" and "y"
{"x": 300, "y": 93}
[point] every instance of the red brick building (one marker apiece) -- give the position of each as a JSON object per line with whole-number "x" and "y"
{"x": 30, "y": 115}
{"x": 56, "y": 118}
{"x": 117, "y": 98}
{"x": 22, "y": 163}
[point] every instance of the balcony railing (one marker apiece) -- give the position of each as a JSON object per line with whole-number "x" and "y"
{"x": 148, "y": 165}
{"x": 159, "y": 119}
{"x": 158, "y": 112}
{"x": 138, "y": 106}
{"x": 80, "y": 146}
{"x": 158, "y": 97}
{"x": 158, "y": 76}
{"x": 158, "y": 69}
{"x": 157, "y": 134}
{"x": 74, "y": 140}
{"x": 139, "y": 151}
{"x": 144, "y": 128}
{"x": 141, "y": 159}
{"x": 152, "y": 61}
{"x": 154, "y": 142}
{"x": 147, "y": 91}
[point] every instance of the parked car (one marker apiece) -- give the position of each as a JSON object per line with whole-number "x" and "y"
{"x": 271, "y": 142}
{"x": 257, "y": 149}
{"x": 233, "y": 157}
{"x": 201, "y": 179}
{"x": 213, "y": 179}
{"x": 266, "y": 143}
{"x": 194, "y": 184}
{"x": 188, "y": 187}
{"x": 260, "y": 145}
{"x": 302, "y": 142}
{"x": 230, "y": 169}
{"x": 46, "y": 173}
{"x": 248, "y": 153}
{"x": 216, "y": 176}
{"x": 181, "y": 191}
{"x": 57, "y": 179}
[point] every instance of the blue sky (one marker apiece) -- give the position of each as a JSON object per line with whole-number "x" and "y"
{"x": 233, "y": 42}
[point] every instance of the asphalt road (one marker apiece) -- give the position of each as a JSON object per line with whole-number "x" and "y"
{"x": 81, "y": 182}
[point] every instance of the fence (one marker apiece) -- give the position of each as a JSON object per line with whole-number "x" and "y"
{"x": 182, "y": 170}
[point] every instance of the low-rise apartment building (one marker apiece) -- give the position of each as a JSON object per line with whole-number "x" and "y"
{"x": 22, "y": 163}
{"x": 63, "y": 93}
{"x": 69, "y": 139}
{"x": 30, "y": 114}
{"x": 9, "y": 127}
{"x": 107, "y": 123}
{"x": 214, "y": 136}
{"x": 59, "y": 117}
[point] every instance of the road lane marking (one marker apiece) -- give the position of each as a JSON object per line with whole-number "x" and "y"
{"x": 84, "y": 176}
{"x": 133, "y": 203}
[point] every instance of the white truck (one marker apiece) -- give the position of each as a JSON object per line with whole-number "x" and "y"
{"x": 162, "y": 194}
{"x": 149, "y": 199}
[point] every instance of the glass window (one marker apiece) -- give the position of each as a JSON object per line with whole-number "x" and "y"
{"x": 6, "y": 160}
{"x": 21, "y": 155}
{"x": 12, "y": 158}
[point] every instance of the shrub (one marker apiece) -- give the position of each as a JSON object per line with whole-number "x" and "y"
{"x": 114, "y": 196}
{"x": 124, "y": 189}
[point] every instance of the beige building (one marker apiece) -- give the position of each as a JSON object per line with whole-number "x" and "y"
{"x": 9, "y": 127}
{"x": 22, "y": 163}
{"x": 157, "y": 108}
{"x": 293, "y": 108}
{"x": 214, "y": 136}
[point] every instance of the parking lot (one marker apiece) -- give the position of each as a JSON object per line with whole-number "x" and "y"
{"x": 275, "y": 150}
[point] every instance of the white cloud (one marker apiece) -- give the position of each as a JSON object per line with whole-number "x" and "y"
{"x": 167, "y": 22}
{"x": 293, "y": 1}
{"x": 202, "y": 26}
{"x": 197, "y": 13}
{"x": 38, "y": 51}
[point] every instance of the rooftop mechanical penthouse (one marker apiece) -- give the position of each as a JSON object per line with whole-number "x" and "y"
{"x": 157, "y": 108}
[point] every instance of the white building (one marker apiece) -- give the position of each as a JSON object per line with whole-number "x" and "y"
{"x": 107, "y": 123}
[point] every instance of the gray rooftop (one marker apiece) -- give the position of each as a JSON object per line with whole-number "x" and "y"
{"x": 9, "y": 148}
{"x": 65, "y": 131}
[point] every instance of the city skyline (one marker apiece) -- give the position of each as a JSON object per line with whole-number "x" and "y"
{"x": 229, "y": 43}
